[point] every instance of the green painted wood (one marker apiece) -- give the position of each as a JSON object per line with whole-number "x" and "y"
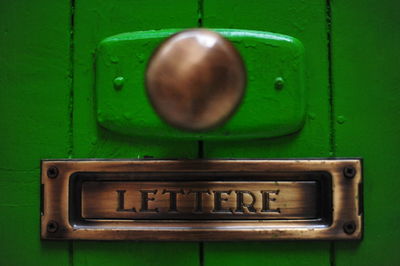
{"x": 35, "y": 113}
{"x": 306, "y": 21}
{"x": 34, "y": 97}
{"x": 94, "y": 21}
{"x": 366, "y": 63}
{"x": 259, "y": 253}
{"x": 267, "y": 56}
{"x": 139, "y": 253}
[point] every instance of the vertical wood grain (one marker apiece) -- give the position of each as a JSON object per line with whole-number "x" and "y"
{"x": 305, "y": 21}
{"x": 34, "y": 97}
{"x": 366, "y": 63}
{"x": 94, "y": 21}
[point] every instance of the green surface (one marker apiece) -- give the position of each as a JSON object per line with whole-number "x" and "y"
{"x": 34, "y": 96}
{"x": 149, "y": 254}
{"x": 352, "y": 85}
{"x": 95, "y": 20}
{"x": 264, "y": 112}
{"x": 366, "y": 90}
{"x": 306, "y": 21}
{"x": 258, "y": 253}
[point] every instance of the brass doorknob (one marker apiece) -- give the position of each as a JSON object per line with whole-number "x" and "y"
{"x": 195, "y": 80}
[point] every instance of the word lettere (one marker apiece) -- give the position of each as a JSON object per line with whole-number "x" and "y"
{"x": 221, "y": 201}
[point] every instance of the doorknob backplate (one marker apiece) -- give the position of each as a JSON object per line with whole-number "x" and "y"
{"x": 274, "y": 103}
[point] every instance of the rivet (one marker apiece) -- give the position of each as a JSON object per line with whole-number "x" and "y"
{"x": 52, "y": 227}
{"x": 349, "y": 172}
{"x": 279, "y": 82}
{"x": 341, "y": 119}
{"x": 119, "y": 83}
{"x": 349, "y": 227}
{"x": 52, "y": 172}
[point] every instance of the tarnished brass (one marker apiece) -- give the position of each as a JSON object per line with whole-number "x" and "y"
{"x": 202, "y": 199}
{"x": 195, "y": 79}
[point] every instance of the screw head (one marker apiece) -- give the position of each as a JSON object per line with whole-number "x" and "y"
{"x": 349, "y": 227}
{"x": 52, "y": 172}
{"x": 279, "y": 82}
{"x": 52, "y": 226}
{"x": 119, "y": 83}
{"x": 349, "y": 172}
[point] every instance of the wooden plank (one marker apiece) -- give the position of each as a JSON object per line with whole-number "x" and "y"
{"x": 94, "y": 21}
{"x": 34, "y": 97}
{"x": 261, "y": 253}
{"x": 306, "y": 21}
{"x": 135, "y": 253}
{"x": 366, "y": 63}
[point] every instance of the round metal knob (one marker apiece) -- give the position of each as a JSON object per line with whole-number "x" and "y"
{"x": 195, "y": 80}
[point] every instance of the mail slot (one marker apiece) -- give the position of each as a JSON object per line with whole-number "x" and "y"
{"x": 202, "y": 199}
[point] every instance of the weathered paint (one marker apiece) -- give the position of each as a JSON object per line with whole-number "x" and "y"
{"x": 34, "y": 97}
{"x": 94, "y": 21}
{"x": 366, "y": 93}
{"x": 265, "y": 111}
{"x": 306, "y": 21}
{"x": 36, "y": 107}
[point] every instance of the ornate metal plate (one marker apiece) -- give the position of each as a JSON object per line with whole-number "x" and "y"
{"x": 201, "y": 199}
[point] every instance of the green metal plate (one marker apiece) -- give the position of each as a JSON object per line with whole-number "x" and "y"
{"x": 268, "y": 109}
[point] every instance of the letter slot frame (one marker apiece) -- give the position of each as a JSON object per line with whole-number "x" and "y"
{"x": 159, "y": 199}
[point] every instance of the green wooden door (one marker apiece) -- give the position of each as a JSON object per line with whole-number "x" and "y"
{"x": 47, "y": 111}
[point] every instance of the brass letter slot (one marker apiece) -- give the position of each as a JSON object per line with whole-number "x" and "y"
{"x": 202, "y": 199}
